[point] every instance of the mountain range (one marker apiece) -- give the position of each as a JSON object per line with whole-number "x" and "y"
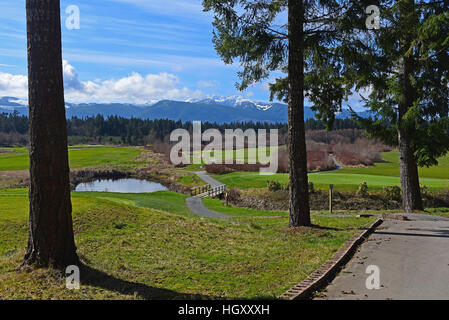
{"x": 215, "y": 109}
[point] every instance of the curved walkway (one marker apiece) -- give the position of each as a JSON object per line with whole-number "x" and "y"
{"x": 412, "y": 259}
{"x": 338, "y": 166}
{"x": 197, "y": 207}
{"x": 195, "y": 204}
{"x": 207, "y": 178}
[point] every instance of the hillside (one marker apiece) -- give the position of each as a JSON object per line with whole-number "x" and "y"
{"x": 218, "y": 110}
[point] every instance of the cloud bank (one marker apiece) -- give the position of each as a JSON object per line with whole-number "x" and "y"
{"x": 134, "y": 88}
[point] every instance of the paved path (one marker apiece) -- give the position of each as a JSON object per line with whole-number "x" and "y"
{"x": 413, "y": 259}
{"x": 195, "y": 204}
{"x": 208, "y": 179}
{"x": 197, "y": 207}
{"x": 338, "y": 166}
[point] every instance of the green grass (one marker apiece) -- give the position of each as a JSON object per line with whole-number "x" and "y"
{"x": 79, "y": 157}
{"x": 151, "y": 246}
{"x": 391, "y": 168}
{"x": 163, "y": 200}
{"x": 438, "y": 211}
{"x": 190, "y": 180}
{"x": 156, "y": 254}
{"x": 217, "y": 205}
{"x": 348, "y": 179}
{"x": 246, "y": 155}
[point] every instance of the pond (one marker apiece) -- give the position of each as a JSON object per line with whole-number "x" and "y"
{"x": 121, "y": 186}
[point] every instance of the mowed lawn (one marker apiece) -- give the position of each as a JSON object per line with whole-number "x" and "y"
{"x": 148, "y": 252}
{"x": 247, "y": 155}
{"x": 348, "y": 179}
{"x": 391, "y": 168}
{"x": 79, "y": 157}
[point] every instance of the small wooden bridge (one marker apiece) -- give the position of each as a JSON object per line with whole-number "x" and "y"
{"x": 208, "y": 191}
{"x": 212, "y": 188}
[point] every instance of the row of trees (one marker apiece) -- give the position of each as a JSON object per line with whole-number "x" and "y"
{"x": 142, "y": 131}
{"x": 328, "y": 53}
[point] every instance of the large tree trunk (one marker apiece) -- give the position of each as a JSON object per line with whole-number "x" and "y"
{"x": 51, "y": 241}
{"x": 299, "y": 194}
{"x": 411, "y": 193}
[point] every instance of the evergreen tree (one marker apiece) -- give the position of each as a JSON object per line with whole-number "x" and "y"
{"x": 288, "y": 36}
{"x": 404, "y": 66}
{"x": 51, "y": 241}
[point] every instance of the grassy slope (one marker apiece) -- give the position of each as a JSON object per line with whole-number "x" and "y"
{"x": 190, "y": 180}
{"x": 238, "y": 155}
{"x": 155, "y": 254}
{"x": 216, "y": 205}
{"x": 246, "y": 155}
{"x": 79, "y": 157}
{"x": 342, "y": 182}
{"x": 382, "y": 174}
{"x": 391, "y": 168}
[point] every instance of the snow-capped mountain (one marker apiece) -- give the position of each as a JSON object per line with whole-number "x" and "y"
{"x": 237, "y": 102}
{"x": 213, "y": 109}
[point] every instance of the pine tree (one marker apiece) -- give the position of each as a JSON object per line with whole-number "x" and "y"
{"x": 51, "y": 241}
{"x": 404, "y": 66}
{"x": 286, "y": 36}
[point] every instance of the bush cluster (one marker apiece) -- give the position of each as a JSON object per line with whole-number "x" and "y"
{"x": 363, "y": 189}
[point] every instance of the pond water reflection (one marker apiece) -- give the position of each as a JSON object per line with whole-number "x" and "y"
{"x": 121, "y": 186}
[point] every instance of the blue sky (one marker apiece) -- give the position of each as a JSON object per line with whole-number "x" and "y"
{"x": 136, "y": 51}
{"x": 121, "y": 42}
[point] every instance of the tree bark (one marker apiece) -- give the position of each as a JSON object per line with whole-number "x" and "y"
{"x": 51, "y": 241}
{"x": 411, "y": 193}
{"x": 299, "y": 194}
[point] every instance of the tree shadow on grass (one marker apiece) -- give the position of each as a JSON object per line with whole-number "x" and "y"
{"x": 318, "y": 227}
{"x": 100, "y": 279}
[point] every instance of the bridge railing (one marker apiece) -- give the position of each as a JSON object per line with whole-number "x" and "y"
{"x": 216, "y": 191}
{"x": 208, "y": 190}
{"x": 200, "y": 190}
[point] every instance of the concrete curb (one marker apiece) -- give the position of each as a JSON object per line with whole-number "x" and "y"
{"x": 324, "y": 274}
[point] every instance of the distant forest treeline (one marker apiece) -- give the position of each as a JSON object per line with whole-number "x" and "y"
{"x": 113, "y": 129}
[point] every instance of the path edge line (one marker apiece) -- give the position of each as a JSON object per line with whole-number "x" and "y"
{"x": 326, "y": 273}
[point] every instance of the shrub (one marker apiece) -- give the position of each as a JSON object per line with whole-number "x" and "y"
{"x": 161, "y": 148}
{"x": 273, "y": 185}
{"x": 317, "y": 159}
{"x": 360, "y": 152}
{"x": 392, "y": 193}
{"x": 228, "y": 168}
{"x": 363, "y": 189}
{"x": 233, "y": 195}
{"x": 217, "y": 169}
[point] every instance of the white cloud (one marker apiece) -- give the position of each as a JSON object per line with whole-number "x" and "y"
{"x": 134, "y": 88}
{"x": 13, "y": 85}
{"x": 249, "y": 94}
{"x": 208, "y": 84}
{"x": 355, "y": 100}
{"x": 173, "y": 8}
{"x": 71, "y": 77}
